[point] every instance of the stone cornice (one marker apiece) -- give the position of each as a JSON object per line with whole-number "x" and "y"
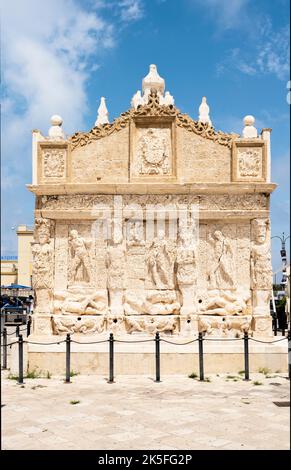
{"x": 152, "y": 109}
{"x": 152, "y": 188}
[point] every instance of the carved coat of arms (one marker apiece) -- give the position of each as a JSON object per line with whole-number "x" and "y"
{"x": 154, "y": 152}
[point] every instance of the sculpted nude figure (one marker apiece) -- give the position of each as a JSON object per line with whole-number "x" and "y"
{"x": 79, "y": 251}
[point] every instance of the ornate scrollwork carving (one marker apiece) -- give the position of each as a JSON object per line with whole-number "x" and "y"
{"x": 153, "y": 109}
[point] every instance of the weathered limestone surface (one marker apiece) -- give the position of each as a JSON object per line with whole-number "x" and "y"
{"x": 152, "y": 223}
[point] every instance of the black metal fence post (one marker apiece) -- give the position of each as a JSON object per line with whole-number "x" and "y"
{"x": 28, "y": 327}
{"x": 275, "y": 324}
{"x": 289, "y": 354}
{"x": 17, "y": 331}
{"x": 201, "y": 362}
{"x": 246, "y": 354}
{"x": 158, "y": 360}
{"x": 283, "y": 331}
{"x": 20, "y": 359}
{"x": 68, "y": 358}
{"x": 111, "y": 358}
{"x": 4, "y": 348}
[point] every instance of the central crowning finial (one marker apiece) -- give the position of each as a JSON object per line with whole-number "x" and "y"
{"x": 152, "y": 80}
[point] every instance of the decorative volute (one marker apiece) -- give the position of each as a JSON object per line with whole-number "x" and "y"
{"x": 204, "y": 112}
{"x": 103, "y": 115}
{"x": 249, "y": 130}
{"x": 153, "y": 80}
{"x": 55, "y": 131}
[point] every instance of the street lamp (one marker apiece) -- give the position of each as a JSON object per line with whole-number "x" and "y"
{"x": 283, "y": 256}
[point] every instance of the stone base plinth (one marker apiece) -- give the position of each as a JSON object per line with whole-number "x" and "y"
{"x": 139, "y": 358}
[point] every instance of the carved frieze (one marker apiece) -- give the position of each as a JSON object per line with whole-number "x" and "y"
{"x": 224, "y": 326}
{"x": 151, "y": 325}
{"x": 71, "y": 324}
{"x": 205, "y": 201}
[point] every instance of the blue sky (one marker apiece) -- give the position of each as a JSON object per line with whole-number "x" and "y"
{"x": 62, "y": 57}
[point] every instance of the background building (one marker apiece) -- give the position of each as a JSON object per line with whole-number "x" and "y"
{"x": 18, "y": 269}
{"x": 9, "y": 267}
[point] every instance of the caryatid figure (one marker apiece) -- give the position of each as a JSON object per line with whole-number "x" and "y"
{"x": 80, "y": 256}
{"x": 261, "y": 268}
{"x": 115, "y": 263}
{"x": 42, "y": 273}
{"x": 187, "y": 271}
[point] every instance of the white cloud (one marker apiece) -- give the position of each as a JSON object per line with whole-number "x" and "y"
{"x": 274, "y": 54}
{"x": 130, "y": 10}
{"x": 269, "y": 54}
{"x": 228, "y": 14}
{"x": 50, "y": 49}
{"x": 46, "y": 53}
{"x": 265, "y": 50}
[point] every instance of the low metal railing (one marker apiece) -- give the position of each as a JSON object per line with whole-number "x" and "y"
{"x": 157, "y": 340}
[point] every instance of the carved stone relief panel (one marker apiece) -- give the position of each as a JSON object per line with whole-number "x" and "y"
{"x": 85, "y": 325}
{"x": 152, "y": 150}
{"x": 249, "y": 161}
{"x": 81, "y": 255}
{"x": 222, "y": 250}
{"x": 153, "y": 153}
{"x": 61, "y": 255}
{"x": 53, "y": 162}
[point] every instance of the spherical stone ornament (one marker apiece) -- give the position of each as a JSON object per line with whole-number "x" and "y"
{"x": 249, "y": 120}
{"x": 249, "y": 130}
{"x": 56, "y": 120}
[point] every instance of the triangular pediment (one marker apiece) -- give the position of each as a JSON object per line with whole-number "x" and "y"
{"x": 153, "y": 109}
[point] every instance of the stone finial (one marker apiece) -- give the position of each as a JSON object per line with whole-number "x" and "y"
{"x": 249, "y": 130}
{"x": 137, "y": 100}
{"x": 56, "y": 131}
{"x": 103, "y": 115}
{"x": 204, "y": 112}
{"x": 168, "y": 99}
{"x": 153, "y": 80}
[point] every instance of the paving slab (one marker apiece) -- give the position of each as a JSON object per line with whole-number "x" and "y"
{"x": 137, "y": 413}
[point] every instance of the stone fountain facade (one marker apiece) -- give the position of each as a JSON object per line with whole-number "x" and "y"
{"x": 154, "y": 222}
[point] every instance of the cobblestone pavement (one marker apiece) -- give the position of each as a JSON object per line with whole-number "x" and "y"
{"x": 137, "y": 413}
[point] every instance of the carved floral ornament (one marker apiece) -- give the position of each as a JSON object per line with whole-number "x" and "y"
{"x": 54, "y": 162}
{"x": 250, "y": 162}
{"x": 153, "y": 109}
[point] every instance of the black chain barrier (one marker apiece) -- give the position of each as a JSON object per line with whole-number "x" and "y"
{"x": 157, "y": 341}
{"x": 18, "y": 330}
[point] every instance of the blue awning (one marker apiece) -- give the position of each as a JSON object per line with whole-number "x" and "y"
{"x": 17, "y": 286}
